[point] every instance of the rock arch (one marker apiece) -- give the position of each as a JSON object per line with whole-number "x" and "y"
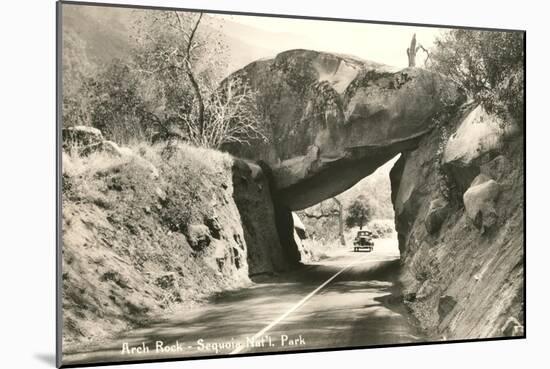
{"x": 332, "y": 120}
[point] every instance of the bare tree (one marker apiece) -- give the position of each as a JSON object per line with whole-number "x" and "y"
{"x": 176, "y": 52}
{"x": 413, "y": 49}
{"x": 411, "y": 52}
{"x": 189, "y": 68}
{"x": 232, "y": 116}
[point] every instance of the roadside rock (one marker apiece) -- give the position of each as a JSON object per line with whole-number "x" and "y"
{"x": 82, "y": 138}
{"x": 478, "y": 135}
{"x": 213, "y": 224}
{"x": 513, "y": 328}
{"x": 437, "y": 213}
{"x": 446, "y": 304}
{"x": 479, "y": 201}
{"x": 198, "y": 236}
{"x": 113, "y": 149}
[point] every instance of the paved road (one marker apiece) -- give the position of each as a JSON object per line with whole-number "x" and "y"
{"x": 347, "y": 300}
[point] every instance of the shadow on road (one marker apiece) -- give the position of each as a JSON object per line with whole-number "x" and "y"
{"x": 360, "y": 307}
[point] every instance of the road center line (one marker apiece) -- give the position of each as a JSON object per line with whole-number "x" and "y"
{"x": 295, "y": 307}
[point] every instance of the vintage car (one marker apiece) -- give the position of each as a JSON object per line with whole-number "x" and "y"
{"x": 363, "y": 241}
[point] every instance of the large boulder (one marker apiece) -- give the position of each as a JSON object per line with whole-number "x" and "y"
{"x": 446, "y": 304}
{"x": 198, "y": 236}
{"x": 115, "y": 150}
{"x": 437, "y": 213}
{"x": 112, "y": 148}
{"x": 331, "y": 120}
{"x": 478, "y": 135}
{"x": 84, "y": 139}
{"x": 479, "y": 201}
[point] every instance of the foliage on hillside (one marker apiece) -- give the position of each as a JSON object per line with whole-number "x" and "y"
{"x": 488, "y": 65}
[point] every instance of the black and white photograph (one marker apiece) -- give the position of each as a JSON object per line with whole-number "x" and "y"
{"x": 237, "y": 184}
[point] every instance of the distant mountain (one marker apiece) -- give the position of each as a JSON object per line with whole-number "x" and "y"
{"x": 106, "y": 34}
{"x": 105, "y": 31}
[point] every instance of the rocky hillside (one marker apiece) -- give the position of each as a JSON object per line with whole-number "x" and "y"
{"x": 459, "y": 204}
{"x": 148, "y": 230}
{"x": 102, "y": 34}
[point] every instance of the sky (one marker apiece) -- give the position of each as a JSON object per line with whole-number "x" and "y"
{"x": 249, "y": 38}
{"x": 385, "y": 44}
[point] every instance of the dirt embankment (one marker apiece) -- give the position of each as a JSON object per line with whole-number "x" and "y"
{"x": 147, "y": 232}
{"x": 459, "y": 204}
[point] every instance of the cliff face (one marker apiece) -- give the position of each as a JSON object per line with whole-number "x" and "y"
{"x": 459, "y": 201}
{"x": 145, "y": 234}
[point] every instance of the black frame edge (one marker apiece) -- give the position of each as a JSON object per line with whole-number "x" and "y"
{"x": 288, "y": 16}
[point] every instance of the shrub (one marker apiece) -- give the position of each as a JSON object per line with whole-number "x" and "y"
{"x": 488, "y": 65}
